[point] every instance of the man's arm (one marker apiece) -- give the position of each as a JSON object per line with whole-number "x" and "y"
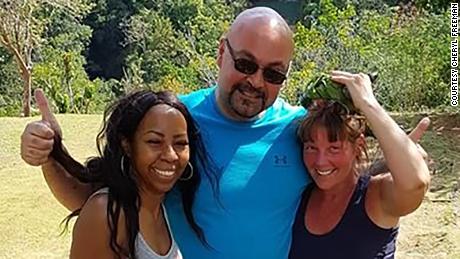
{"x": 70, "y": 192}
{"x": 36, "y": 146}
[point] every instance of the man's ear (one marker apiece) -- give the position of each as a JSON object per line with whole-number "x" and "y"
{"x": 220, "y": 52}
{"x": 126, "y": 147}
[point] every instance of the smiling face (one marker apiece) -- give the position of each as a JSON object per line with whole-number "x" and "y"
{"x": 330, "y": 163}
{"x": 261, "y": 40}
{"x": 159, "y": 150}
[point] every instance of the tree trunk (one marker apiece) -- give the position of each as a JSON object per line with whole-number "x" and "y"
{"x": 27, "y": 81}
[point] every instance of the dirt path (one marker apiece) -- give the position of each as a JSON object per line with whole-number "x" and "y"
{"x": 433, "y": 231}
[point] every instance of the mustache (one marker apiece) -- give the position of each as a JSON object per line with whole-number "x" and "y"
{"x": 248, "y": 88}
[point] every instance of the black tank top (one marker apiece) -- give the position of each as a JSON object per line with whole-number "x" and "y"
{"x": 354, "y": 237}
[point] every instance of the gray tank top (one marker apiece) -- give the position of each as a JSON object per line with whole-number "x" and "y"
{"x": 143, "y": 250}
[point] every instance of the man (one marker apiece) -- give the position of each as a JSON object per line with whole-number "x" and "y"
{"x": 249, "y": 132}
{"x": 241, "y": 119}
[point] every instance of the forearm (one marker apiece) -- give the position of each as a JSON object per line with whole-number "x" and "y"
{"x": 406, "y": 164}
{"x": 70, "y": 192}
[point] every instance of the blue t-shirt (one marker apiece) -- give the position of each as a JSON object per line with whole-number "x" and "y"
{"x": 261, "y": 178}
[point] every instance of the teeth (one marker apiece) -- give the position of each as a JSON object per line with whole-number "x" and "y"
{"x": 164, "y": 173}
{"x": 324, "y": 172}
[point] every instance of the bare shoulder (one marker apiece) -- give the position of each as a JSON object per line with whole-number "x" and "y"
{"x": 91, "y": 232}
{"x": 374, "y": 205}
{"x": 94, "y": 214}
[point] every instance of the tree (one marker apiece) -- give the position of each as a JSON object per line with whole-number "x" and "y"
{"x": 404, "y": 44}
{"x": 10, "y": 85}
{"x": 21, "y": 32}
{"x": 172, "y": 44}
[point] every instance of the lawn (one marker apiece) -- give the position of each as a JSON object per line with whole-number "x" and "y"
{"x": 30, "y": 216}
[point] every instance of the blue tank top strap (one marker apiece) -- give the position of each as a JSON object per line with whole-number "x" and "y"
{"x": 363, "y": 183}
{"x": 360, "y": 192}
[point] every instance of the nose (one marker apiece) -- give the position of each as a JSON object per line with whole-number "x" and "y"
{"x": 257, "y": 79}
{"x": 169, "y": 154}
{"x": 321, "y": 160}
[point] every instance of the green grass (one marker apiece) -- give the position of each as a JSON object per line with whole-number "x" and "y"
{"x": 30, "y": 216}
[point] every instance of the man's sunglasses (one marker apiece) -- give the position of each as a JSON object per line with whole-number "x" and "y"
{"x": 250, "y": 67}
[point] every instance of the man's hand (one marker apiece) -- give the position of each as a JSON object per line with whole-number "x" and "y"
{"x": 418, "y": 133}
{"x": 415, "y": 135}
{"x": 38, "y": 137}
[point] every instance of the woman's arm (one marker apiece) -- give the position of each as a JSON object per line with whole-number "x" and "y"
{"x": 380, "y": 165}
{"x": 402, "y": 191}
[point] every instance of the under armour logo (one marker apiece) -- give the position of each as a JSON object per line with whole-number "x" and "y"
{"x": 280, "y": 160}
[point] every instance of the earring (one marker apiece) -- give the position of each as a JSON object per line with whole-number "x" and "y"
{"x": 190, "y": 175}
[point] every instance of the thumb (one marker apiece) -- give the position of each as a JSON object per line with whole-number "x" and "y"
{"x": 47, "y": 114}
{"x": 420, "y": 129}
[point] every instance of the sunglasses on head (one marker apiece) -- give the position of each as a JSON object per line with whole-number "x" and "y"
{"x": 250, "y": 67}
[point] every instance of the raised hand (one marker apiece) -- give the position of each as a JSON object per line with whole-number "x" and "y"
{"x": 38, "y": 137}
{"x": 417, "y": 133}
{"x": 359, "y": 86}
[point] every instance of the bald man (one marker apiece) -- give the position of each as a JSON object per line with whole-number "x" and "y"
{"x": 250, "y": 135}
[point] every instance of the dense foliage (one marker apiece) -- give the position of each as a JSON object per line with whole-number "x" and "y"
{"x": 172, "y": 44}
{"x": 406, "y": 45}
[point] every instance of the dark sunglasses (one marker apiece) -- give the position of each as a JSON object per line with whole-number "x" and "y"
{"x": 250, "y": 67}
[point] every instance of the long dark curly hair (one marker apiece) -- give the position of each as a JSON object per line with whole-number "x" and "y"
{"x": 121, "y": 120}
